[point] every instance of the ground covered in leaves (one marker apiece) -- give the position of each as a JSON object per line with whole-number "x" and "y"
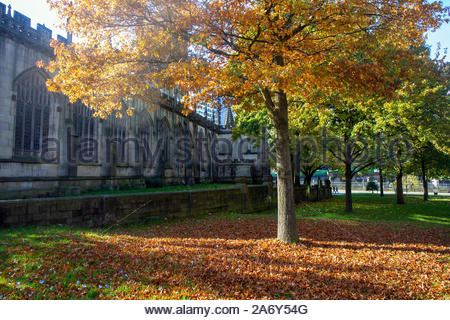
{"x": 231, "y": 256}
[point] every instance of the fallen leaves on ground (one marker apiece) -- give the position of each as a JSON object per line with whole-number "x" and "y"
{"x": 225, "y": 258}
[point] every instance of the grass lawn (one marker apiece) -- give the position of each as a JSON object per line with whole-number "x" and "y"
{"x": 375, "y": 208}
{"x": 382, "y": 251}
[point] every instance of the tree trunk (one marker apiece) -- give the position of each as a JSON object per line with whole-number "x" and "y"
{"x": 307, "y": 181}
{"x": 287, "y": 221}
{"x": 295, "y": 173}
{"x": 424, "y": 179}
{"x": 297, "y": 180}
{"x": 296, "y": 166}
{"x": 399, "y": 181}
{"x": 381, "y": 183}
{"x": 348, "y": 187}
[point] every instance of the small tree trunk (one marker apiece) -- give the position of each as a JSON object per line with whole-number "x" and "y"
{"x": 307, "y": 183}
{"x": 296, "y": 166}
{"x": 381, "y": 183}
{"x": 399, "y": 181}
{"x": 287, "y": 221}
{"x": 295, "y": 174}
{"x": 424, "y": 180}
{"x": 297, "y": 180}
{"x": 308, "y": 179}
{"x": 348, "y": 187}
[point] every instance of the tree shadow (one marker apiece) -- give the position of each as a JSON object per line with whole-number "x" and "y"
{"x": 370, "y": 234}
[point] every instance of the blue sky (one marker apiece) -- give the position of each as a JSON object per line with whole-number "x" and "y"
{"x": 39, "y": 12}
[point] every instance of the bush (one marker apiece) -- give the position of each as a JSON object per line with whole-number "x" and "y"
{"x": 154, "y": 182}
{"x": 372, "y": 186}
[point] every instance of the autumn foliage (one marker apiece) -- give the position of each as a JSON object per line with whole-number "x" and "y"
{"x": 232, "y": 49}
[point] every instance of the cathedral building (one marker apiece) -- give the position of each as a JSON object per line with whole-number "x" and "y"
{"x": 51, "y": 147}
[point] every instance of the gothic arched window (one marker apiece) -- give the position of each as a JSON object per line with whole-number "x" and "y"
{"x": 201, "y": 149}
{"x": 145, "y": 135}
{"x": 84, "y": 124}
{"x": 179, "y": 155}
{"x": 32, "y": 115}
{"x": 118, "y": 136}
{"x": 165, "y": 139}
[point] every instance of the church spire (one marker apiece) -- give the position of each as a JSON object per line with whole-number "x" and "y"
{"x": 229, "y": 119}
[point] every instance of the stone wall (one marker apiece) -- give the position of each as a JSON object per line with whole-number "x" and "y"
{"x": 105, "y": 210}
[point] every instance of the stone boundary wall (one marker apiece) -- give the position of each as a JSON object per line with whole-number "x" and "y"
{"x": 105, "y": 210}
{"x": 50, "y": 187}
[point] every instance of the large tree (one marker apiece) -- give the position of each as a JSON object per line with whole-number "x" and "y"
{"x": 267, "y": 49}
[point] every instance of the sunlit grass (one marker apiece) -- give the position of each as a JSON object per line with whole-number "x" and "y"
{"x": 376, "y": 208}
{"x": 431, "y": 219}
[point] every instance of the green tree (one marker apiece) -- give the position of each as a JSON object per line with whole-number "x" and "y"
{"x": 372, "y": 185}
{"x": 419, "y": 114}
{"x": 429, "y": 162}
{"x": 348, "y": 139}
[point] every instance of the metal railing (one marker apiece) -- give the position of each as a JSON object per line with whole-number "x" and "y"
{"x": 407, "y": 187}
